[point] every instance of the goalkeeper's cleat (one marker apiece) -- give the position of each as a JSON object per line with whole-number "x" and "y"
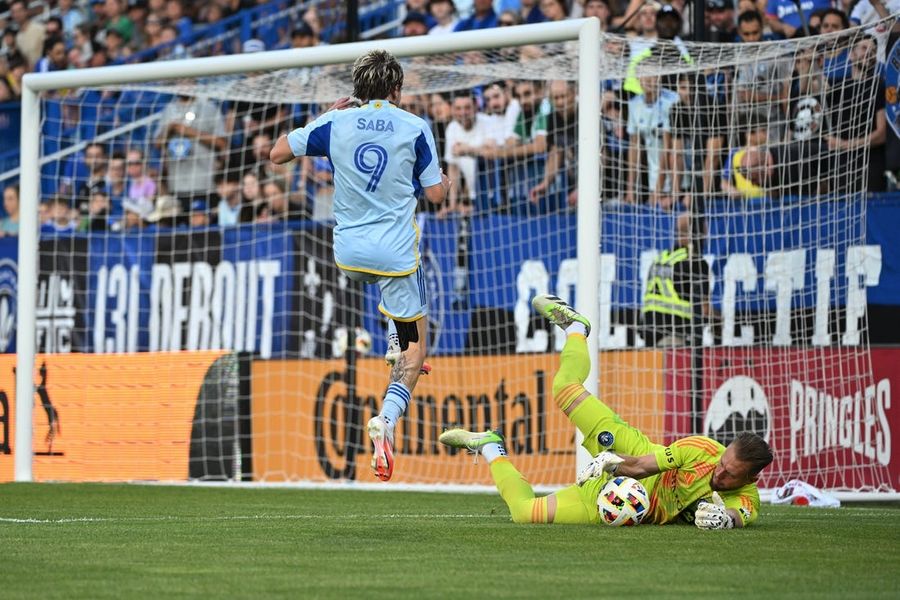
{"x": 558, "y": 312}
{"x": 470, "y": 440}
{"x": 382, "y": 436}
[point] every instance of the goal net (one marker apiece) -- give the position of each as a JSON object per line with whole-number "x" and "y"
{"x": 191, "y": 324}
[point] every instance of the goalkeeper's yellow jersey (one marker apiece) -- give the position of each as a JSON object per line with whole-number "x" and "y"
{"x": 687, "y": 466}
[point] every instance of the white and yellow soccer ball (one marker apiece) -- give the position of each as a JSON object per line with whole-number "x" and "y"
{"x": 623, "y": 501}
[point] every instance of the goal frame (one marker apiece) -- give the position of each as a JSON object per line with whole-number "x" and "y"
{"x": 586, "y": 32}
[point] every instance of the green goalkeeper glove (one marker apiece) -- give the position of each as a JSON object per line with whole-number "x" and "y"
{"x": 605, "y": 462}
{"x": 713, "y": 515}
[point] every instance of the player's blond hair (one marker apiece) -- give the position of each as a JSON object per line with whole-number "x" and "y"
{"x": 753, "y": 450}
{"x": 375, "y": 75}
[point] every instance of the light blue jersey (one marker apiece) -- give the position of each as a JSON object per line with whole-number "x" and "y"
{"x": 377, "y": 151}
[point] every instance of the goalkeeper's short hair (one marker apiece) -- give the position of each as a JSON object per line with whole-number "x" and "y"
{"x": 753, "y": 449}
{"x": 375, "y": 75}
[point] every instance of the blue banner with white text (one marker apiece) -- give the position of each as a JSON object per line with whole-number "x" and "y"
{"x": 273, "y": 290}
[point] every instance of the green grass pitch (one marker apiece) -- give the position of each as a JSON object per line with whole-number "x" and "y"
{"x": 120, "y": 541}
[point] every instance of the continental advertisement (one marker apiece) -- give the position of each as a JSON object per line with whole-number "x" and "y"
{"x": 308, "y": 416}
{"x": 125, "y": 417}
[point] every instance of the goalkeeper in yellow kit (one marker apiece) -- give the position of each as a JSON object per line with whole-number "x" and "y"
{"x": 694, "y": 479}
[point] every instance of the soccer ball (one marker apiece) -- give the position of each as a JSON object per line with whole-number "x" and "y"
{"x": 623, "y": 501}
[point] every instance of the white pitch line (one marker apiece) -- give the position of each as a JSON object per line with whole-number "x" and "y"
{"x": 160, "y": 519}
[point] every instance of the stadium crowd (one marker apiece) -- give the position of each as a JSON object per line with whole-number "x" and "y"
{"x": 766, "y": 128}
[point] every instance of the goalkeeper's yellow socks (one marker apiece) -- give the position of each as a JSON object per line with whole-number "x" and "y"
{"x": 509, "y": 481}
{"x": 574, "y": 366}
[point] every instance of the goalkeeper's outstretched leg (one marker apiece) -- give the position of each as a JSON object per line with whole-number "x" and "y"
{"x": 602, "y": 428}
{"x": 573, "y": 504}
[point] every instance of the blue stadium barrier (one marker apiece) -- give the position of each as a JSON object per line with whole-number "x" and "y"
{"x": 498, "y": 247}
{"x": 504, "y": 187}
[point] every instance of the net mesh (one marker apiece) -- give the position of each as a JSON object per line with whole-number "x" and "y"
{"x": 165, "y": 228}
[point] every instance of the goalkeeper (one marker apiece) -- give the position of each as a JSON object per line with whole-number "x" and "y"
{"x": 693, "y": 479}
{"x": 380, "y": 154}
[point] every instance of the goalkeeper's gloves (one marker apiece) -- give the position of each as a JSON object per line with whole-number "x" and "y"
{"x": 605, "y": 462}
{"x": 713, "y": 515}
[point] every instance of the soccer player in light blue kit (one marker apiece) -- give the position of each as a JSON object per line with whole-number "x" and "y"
{"x": 379, "y": 152}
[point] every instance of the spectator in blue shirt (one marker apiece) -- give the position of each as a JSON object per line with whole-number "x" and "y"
{"x": 60, "y": 221}
{"x": 71, "y": 17}
{"x": 784, "y": 19}
{"x": 415, "y": 24}
{"x": 304, "y": 37}
{"x": 484, "y": 17}
{"x": 530, "y": 12}
{"x": 554, "y": 10}
{"x": 228, "y": 209}
{"x": 599, "y": 9}
{"x": 175, "y": 14}
{"x": 836, "y": 65}
{"x": 722, "y": 24}
{"x": 9, "y": 225}
{"x": 421, "y": 7}
{"x": 55, "y": 57}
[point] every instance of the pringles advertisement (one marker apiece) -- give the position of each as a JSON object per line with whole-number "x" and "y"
{"x": 828, "y": 413}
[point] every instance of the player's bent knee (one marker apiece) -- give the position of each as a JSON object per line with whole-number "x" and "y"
{"x": 569, "y": 396}
{"x": 564, "y": 380}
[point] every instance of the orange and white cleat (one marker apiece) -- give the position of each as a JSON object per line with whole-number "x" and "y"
{"x": 382, "y": 437}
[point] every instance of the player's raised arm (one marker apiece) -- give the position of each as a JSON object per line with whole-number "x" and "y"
{"x": 310, "y": 140}
{"x": 281, "y": 152}
{"x": 436, "y": 194}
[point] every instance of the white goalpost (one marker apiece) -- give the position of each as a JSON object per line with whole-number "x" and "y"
{"x": 586, "y": 32}
{"x": 180, "y": 318}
